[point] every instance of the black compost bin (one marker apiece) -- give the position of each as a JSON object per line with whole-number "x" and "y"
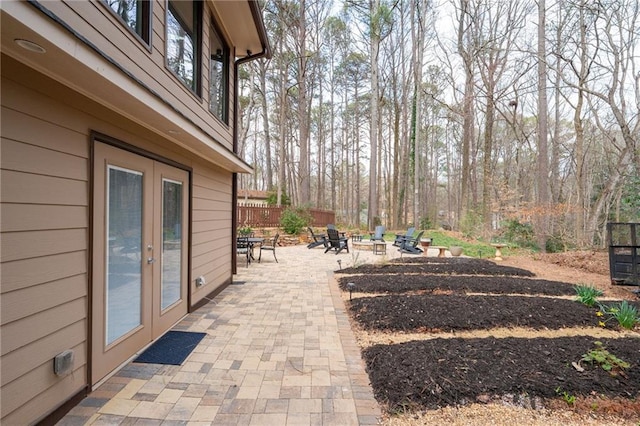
{"x": 624, "y": 252}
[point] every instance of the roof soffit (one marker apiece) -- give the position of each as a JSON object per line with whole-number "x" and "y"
{"x": 238, "y": 22}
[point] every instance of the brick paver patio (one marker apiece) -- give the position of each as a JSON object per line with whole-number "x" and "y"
{"x": 279, "y": 351}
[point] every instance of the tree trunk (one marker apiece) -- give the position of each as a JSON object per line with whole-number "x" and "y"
{"x": 543, "y": 156}
{"x": 265, "y": 124}
{"x": 417, "y": 39}
{"x": 606, "y": 194}
{"x": 282, "y": 134}
{"x": 373, "y": 127}
{"x": 487, "y": 167}
{"x": 304, "y": 187}
{"x": 468, "y": 110}
{"x": 579, "y": 144}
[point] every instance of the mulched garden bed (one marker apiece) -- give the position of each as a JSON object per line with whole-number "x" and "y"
{"x": 434, "y": 373}
{"x": 399, "y": 283}
{"x": 449, "y": 260}
{"x": 435, "y": 265}
{"x": 428, "y": 313}
{"x": 440, "y": 372}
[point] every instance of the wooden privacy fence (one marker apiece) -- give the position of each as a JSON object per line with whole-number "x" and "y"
{"x": 257, "y": 215}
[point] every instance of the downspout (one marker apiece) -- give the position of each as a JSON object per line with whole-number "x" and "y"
{"x": 265, "y": 53}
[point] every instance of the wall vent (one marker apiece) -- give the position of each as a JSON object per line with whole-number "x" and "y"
{"x": 63, "y": 362}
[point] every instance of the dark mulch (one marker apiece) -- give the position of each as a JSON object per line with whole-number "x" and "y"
{"x": 400, "y": 283}
{"x": 440, "y": 372}
{"x": 428, "y": 312}
{"x": 453, "y": 260}
{"x": 435, "y": 265}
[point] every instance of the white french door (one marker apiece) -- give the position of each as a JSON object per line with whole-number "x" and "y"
{"x": 140, "y": 254}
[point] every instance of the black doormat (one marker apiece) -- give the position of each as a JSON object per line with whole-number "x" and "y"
{"x": 172, "y": 348}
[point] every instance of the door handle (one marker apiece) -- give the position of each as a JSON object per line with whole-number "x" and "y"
{"x": 150, "y": 260}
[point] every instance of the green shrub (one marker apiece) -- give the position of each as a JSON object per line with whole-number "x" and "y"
{"x": 294, "y": 220}
{"x": 272, "y": 199}
{"x": 520, "y": 234}
{"x": 425, "y": 223}
{"x": 586, "y": 294}
{"x": 471, "y": 224}
{"x": 245, "y": 230}
{"x": 557, "y": 244}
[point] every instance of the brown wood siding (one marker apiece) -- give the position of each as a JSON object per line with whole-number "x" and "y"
{"x": 21, "y": 217}
{"x": 20, "y": 362}
{"x": 20, "y": 333}
{"x": 211, "y": 230}
{"x": 94, "y": 21}
{"x": 45, "y": 162}
{"x": 22, "y": 303}
{"x": 27, "y": 188}
{"x": 20, "y": 274}
{"x": 31, "y": 244}
{"x": 45, "y": 232}
{"x": 48, "y": 397}
{"x": 28, "y": 131}
{"x": 43, "y": 306}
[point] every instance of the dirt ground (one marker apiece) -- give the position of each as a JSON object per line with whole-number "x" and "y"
{"x": 467, "y": 342}
{"x": 581, "y": 267}
{"x": 596, "y": 262}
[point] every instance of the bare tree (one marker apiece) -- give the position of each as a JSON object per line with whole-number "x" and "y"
{"x": 304, "y": 194}
{"x": 263, "y": 66}
{"x": 543, "y": 156}
{"x": 605, "y": 73}
{"x": 465, "y": 18}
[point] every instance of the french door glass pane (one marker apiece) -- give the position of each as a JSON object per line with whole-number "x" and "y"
{"x": 171, "y": 241}
{"x": 124, "y": 252}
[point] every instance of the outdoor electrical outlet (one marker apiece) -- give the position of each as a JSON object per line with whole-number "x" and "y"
{"x": 200, "y": 281}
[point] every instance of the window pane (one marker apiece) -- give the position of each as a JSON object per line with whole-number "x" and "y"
{"x": 171, "y": 242}
{"x": 181, "y": 45}
{"x": 134, "y": 13}
{"x": 124, "y": 252}
{"x": 218, "y": 76}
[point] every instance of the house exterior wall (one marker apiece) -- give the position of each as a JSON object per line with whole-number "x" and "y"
{"x": 211, "y": 231}
{"x": 96, "y": 77}
{"x": 45, "y": 247}
{"x": 95, "y": 21}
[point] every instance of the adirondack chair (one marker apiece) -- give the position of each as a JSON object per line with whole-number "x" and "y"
{"x": 336, "y": 242}
{"x": 411, "y": 245}
{"x": 378, "y": 234}
{"x": 332, "y": 226}
{"x": 400, "y": 238}
{"x": 318, "y": 239}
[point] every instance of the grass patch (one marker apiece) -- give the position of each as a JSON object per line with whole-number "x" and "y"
{"x": 470, "y": 248}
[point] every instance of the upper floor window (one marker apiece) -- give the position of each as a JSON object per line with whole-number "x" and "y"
{"x": 136, "y": 14}
{"x": 183, "y": 41}
{"x": 218, "y": 75}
